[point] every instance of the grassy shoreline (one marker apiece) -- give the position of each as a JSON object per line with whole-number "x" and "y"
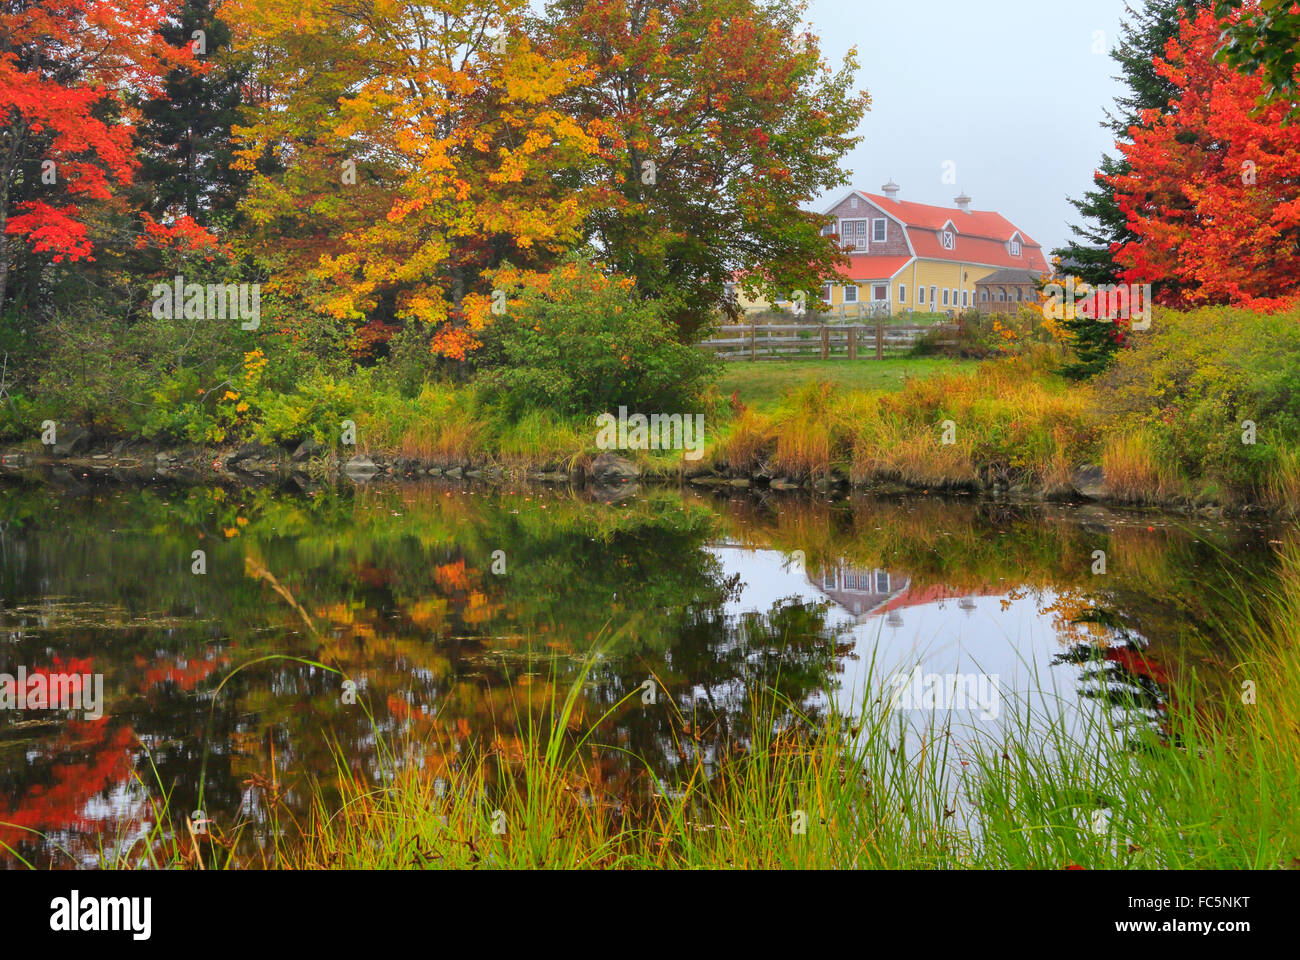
{"x": 1003, "y": 428}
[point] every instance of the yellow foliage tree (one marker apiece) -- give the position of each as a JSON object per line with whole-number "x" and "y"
{"x": 401, "y": 149}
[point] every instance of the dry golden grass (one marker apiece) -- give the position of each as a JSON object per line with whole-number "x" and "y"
{"x": 746, "y": 443}
{"x": 1134, "y": 473}
{"x": 1006, "y": 423}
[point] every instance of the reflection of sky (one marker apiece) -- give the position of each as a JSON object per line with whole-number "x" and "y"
{"x": 1015, "y": 644}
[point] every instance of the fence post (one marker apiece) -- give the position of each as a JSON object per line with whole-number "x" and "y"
{"x": 826, "y": 342}
{"x": 880, "y": 337}
{"x": 753, "y": 347}
{"x": 853, "y": 343}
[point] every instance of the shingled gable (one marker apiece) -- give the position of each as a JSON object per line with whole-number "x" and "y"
{"x": 916, "y": 229}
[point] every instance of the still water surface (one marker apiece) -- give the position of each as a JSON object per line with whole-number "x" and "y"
{"x": 457, "y": 610}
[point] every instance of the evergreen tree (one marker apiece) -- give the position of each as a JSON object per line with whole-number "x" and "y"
{"x": 1093, "y": 344}
{"x": 1143, "y": 37}
{"x": 1267, "y": 37}
{"x": 185, "y": 142}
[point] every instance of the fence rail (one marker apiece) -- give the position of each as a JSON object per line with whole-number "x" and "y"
{"x": 750, "y": 341}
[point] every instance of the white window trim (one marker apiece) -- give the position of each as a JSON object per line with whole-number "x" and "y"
{"x": 858, "y": 241}
{"x": 883, "y": 223}
{"x": 854, "y": 288}
{"x": 902, "y": 293}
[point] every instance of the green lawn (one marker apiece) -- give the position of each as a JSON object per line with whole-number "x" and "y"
{"x": 761, "y": 383}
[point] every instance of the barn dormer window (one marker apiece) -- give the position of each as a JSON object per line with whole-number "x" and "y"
{"x": 1015, "y": 248}
{"x": 949, "y": 239}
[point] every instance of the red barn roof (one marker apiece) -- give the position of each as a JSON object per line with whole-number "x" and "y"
{"x": 976, "y": 223}
{"x": 864, "y": 267}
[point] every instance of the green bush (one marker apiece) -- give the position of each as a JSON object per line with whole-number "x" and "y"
{"x": 315, "y": 409}
{"x": 584, "y": 343}
{"x": 1195, "y": 378}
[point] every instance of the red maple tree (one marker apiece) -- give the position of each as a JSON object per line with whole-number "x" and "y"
{"x": 66, "y": 123}
{"x": 1212, "y": 195}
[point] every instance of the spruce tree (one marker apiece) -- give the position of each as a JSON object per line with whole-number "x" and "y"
{"x": 1143, "y": 36}
{"x": 185, "y": 142}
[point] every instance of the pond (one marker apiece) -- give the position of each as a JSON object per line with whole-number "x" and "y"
{"x": 456, "y": 611}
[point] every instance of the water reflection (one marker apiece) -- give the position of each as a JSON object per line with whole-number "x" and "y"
{"x": 458, "y": 611}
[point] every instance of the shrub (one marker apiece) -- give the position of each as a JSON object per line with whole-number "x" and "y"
{"x": 1192, "y": 381}
{"x": 579, "y": 342}
{"x": 983, "y": 335}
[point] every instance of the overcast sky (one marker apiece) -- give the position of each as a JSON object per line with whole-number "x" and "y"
{"x": 1010, "y": 92}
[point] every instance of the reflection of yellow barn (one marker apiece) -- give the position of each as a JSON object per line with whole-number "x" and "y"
{"x": 906, "y": 256}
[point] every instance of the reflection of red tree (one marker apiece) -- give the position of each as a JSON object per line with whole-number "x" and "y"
{"x": 86, "y": 758}
{"x": 39, "y": 699}
{"x": 1132, "y": 662}
{"x": 186, "y": 677}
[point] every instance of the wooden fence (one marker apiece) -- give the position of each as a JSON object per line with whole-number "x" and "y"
{"x": 750, "y": 341}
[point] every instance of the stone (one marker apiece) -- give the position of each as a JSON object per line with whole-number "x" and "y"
{"x": 1090, "y": 481}
{"x": 360, "y": 466}
{"x": 253, "y": 451}
{"x": 306, "y": 450}
{"x": 609, "y": 469}
{"x": 70, "y": 439}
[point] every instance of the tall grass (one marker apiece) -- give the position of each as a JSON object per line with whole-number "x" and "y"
{"x": 1009, "y": 425}
{"x": 1134, "y": 471}
{"x": 1212, "y": 783}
